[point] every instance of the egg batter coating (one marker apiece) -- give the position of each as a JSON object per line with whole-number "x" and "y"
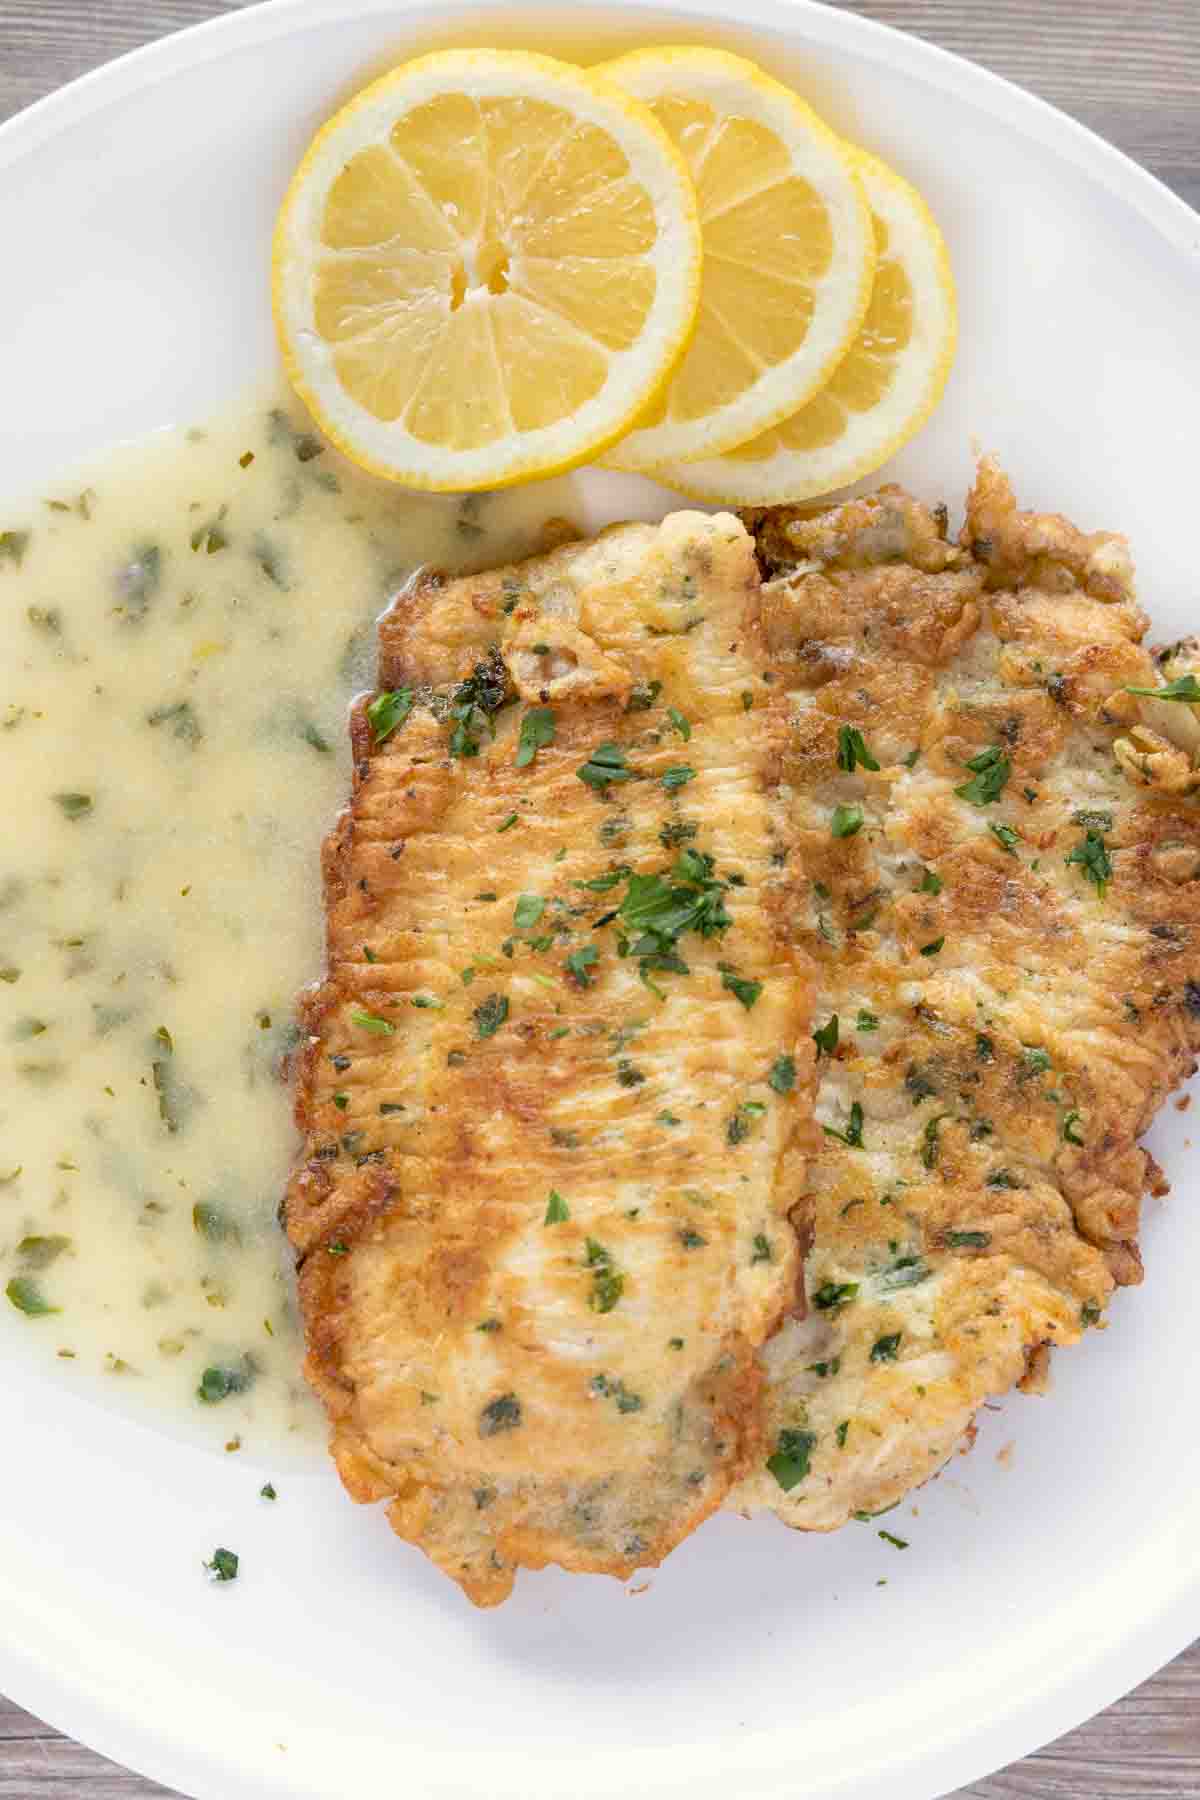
{"x": 997, "y": 856}
{"x": 555, "y": 1087}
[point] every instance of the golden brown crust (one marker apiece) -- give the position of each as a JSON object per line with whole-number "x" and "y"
{"x": 1015, "y": 968}
{"x": 584, "y": 1391}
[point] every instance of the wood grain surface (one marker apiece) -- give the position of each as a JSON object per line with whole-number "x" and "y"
{"x": 1130, "y": 71}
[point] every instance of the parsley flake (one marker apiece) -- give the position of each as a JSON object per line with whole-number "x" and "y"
{"x": 557, "y": 1210}
{"x": 580, "y": 961}
{"x": 852, "y": 750}
{"x": 1093, "y": 858}
{"x": 537, "y": 730}
{"x": 990, "y": 771}
{"x": 782, "y": 1077}
{"x": 831, "y": 1296}
{"x": 745, "y": 991}
{"x": 387, "y": 712}
{"x": 369, "y": 1021}
{"x": 852, "y": 1135}
{"x": 224, "y": 1565}
{"x": 605, "y": 765}
{"x": 490, "y": 1015}
{"x": 1186, "y": 688}
{"x": 790, "y": 1461}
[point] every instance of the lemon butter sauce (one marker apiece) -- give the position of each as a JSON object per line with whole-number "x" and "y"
{"x": 182, "y": 628}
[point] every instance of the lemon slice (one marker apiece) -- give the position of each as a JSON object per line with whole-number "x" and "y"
{"x": 788, "y": 251}
{"x": 485, "y": 267}
{"x": 883, "y": 391}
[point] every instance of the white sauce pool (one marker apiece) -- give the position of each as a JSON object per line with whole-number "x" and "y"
{"x": 181, "y": 630}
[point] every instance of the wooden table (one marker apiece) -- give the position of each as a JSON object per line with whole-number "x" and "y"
{"x": 1131, "y": 72}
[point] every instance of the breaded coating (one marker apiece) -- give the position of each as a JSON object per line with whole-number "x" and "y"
{"x": 557, "y": 1083}
{"x": 998, "y": 864}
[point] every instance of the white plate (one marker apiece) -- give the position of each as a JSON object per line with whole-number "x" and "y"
{"x": 136, "y": 209}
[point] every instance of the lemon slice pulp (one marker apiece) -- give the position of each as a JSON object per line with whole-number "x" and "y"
{"x": 485, "y": 267}
{"x": 789, "y": 254}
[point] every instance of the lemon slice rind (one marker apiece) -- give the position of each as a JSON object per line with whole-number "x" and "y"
{"x": 765, "y": 472}
{"x": 814, "y": 160}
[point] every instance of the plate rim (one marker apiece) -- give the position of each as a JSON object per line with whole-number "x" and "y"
{"x": 66, "y": 1698}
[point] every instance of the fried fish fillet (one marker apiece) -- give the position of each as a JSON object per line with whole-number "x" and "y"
{"x": 556, "y": 1084}
{"x": 997, "y": 874}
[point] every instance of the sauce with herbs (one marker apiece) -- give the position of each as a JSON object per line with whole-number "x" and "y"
{"x": 181, "y": 630}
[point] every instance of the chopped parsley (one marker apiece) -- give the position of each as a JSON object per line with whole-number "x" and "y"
{"x": 852, "y": 1135}
{"x": 528, "y": 910}
{"x": 846, "y": 822}
{"x": 826, "y": 1037}
{"x": 905, "y": 1272}
{"x": 745, "y": 991}
{"x": 866, "y": 1021}
{"x": 831, "y": 1296}
{"x": 643, "y": 695}
{"x": 224, "y": 1565}
{"x": 608, "y": 1283}
{"x": 852, "y": 750}
{"x": 490, "y": 1015}
{"x": 886, "y": 1349}
{"x": 580, "y": 961}
{"x": 692, "y": 1240}
{"x": 932, "y": 949}
{"x": 537, "y": 730}
{"x": 507, "y": 825}
{"x": 931, "y": 883}
{"x": 782, "y": 1076}
{"x": 990, "y": 771}
{"x": 790, "y": 1461}
{"x": 968, "y": 1240}
{"x": 763, "y": 1253}
{"x": 1093, "y": 858}
{"x": 220, "y": 1380}
{"x": 501, "y": 1414}
{"x": 605, "y": 765}
{"x": 267, "y": 1491}
{"x": 600, "y": 884}
{"x": 616, "y": 1390}
{"x": 679, "y": 723}
{"x": 678, "y": 776}
{"x": 1007, "y": 837}
{"x": 74, "y": 806}
{"x": 897, "y": 1543}
{"x": 476, "y": 701}
{"x": 1186, "y": 688}
{"x": 387, "y": 712}
{"x": 557, "y": 1210}
{"x": 369, "y": 1021}
{"x": 25, "y": 1294}
{"x": 1070, "y": 1129}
